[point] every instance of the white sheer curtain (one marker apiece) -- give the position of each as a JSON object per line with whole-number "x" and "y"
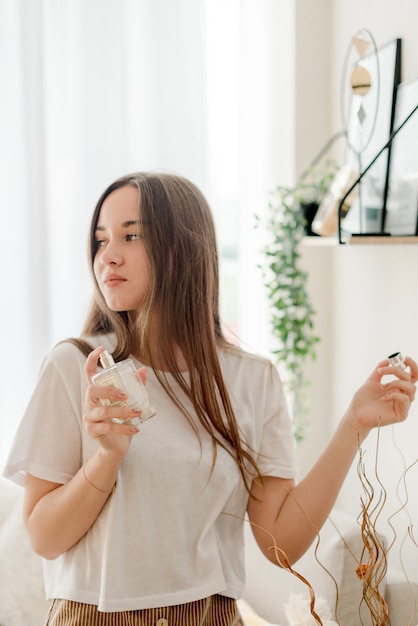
{"x": 92, "y": 89}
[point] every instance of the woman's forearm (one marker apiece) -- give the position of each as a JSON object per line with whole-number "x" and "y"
{"x": 57, "y": 516}
{"x": 308, "y": 505}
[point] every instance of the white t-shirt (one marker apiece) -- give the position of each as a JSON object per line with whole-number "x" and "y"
{"x": 172, "y": 531}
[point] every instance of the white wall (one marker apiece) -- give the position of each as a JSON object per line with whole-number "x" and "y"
{"x": 313, "y": 88}
{"x": 315, "y": 260}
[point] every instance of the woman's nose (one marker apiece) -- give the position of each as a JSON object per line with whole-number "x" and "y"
{"x": 111, "y": 255}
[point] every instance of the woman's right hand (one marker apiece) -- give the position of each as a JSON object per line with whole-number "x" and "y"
{"x": 113, "y": 438}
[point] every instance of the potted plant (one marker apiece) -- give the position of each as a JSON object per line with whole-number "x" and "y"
{"x": 292, "y": 314}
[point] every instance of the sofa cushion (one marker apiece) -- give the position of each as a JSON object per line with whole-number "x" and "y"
{"x": 402, "y": 598}
{"x": 22, "y": 597}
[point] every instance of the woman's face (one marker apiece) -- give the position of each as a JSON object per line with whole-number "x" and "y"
{"x": 121, "y": 265}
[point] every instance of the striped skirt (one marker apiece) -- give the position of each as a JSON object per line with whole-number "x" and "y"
{"x": 213, "y": 611}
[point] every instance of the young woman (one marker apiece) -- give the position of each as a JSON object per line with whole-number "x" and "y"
{"x": 145, "y": 526}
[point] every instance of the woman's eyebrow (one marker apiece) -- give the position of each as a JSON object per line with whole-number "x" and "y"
{"x": 129, "y": 223}
{"x": 126, "y": 224}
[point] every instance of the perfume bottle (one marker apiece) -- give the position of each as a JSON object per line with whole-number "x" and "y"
{"x": 123, "y": 376}
{"x": 397, "y": 359}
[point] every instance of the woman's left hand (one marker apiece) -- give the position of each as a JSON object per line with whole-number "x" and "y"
{"x": 379, "y": 403}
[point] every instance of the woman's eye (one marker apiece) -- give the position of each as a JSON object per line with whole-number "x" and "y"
{"x": 133, "y": 236}
{"x": 100, "y": 242}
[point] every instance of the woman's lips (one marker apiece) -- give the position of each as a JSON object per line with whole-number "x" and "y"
{"x": 114, "y": 280}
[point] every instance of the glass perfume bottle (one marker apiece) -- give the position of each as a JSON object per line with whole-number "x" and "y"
{"x": 123, "y": 375}
{"x": 397, "y": 359}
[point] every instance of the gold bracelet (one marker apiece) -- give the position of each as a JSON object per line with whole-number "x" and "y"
{"x": 83, "y": 469}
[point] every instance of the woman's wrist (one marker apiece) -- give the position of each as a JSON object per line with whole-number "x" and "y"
{"x": 100, "y": 471}
{"x": 352, "y": 428}
{"x": 108, "y": 491}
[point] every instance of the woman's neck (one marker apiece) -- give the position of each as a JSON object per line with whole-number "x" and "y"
{"x": 161, "y": 363}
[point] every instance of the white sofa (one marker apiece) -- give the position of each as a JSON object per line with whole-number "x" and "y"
{"x": 268, "y": 587}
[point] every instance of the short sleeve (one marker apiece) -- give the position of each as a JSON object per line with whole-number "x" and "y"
{"x": 48, "y": 441}
{"x": 276, "y": 450}
{"x": 260, "y": 407}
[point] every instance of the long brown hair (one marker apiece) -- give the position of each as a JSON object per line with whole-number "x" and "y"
{"x": 179, "y": 237}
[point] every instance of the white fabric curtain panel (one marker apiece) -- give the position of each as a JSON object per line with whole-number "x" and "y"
{"x": 93, "y": 89}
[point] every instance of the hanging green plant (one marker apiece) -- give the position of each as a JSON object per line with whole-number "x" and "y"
{"x": 292, "y": 314}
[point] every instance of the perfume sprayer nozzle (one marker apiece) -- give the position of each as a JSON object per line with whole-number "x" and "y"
{"x": 106, "y": 359}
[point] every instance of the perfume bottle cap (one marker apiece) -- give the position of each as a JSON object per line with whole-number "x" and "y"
{"x": 106, "y": 359}
{"x": 396, "y": 359}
